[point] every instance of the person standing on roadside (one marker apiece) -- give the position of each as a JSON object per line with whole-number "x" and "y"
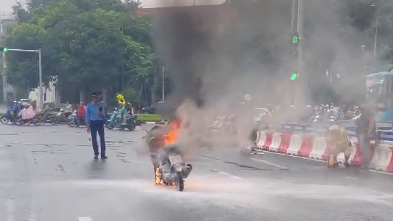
{"x": 365, "y": 129}
{"x": 95, "y": 121}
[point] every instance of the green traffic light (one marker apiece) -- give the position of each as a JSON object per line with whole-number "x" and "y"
{"x": 295, "y": 39}
{"x": 5, "y": 49}
{"x": 294, "y": 76}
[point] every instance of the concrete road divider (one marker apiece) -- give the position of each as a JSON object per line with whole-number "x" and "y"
{"x": 316, "y": 148}
{"x": 295, "y": 145}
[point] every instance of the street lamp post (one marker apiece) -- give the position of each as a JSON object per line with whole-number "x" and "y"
{"x": 297, "y": 39}
{"x": 375, "y": 37}
{"x": 41, "y": 94}
{"x": 376, "y": 29}
{"x": 163, "y": 84}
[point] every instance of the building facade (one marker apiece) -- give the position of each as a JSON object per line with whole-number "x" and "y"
{"x": 50, "y": 94}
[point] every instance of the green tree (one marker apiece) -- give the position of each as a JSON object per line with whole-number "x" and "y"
{"x": 86, "y": 44}
{"x": 22, "y": 67}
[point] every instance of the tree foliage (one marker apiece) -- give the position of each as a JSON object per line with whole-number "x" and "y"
{"x": 85, "y": 44}
{"x": 103, "y": 43}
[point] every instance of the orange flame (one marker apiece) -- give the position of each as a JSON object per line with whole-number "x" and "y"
{"x": 173, "y": 134}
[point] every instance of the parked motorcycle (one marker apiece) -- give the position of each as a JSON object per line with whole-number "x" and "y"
{"x": 8, "y": 117}
{"x": 72, "y": 120}
{"x": 47, "y": 118}
{"x": 62, "y": 116}
{"x": 172, "y": 170}
{"x": 149, "y": 110}
{"x": 116, "y": 121}
{"x": 35, "y": 120}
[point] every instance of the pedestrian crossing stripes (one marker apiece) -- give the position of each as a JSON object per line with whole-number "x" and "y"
{"x": 84, "y": 219}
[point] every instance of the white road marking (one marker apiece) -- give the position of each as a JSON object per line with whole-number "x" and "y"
{"x": 10, "y": 207}
{"x": 294, "y": 156}
{"x": 352, "y": 178}
{"x": 381, "y": 172}
{"x": 311, "y": 159}
{"x": 84, "y": 219}
{"x": 270, "y": 163}
{"x": 230, "y": 175}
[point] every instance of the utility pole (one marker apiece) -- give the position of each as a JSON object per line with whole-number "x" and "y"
{"x": 122, "y": 71}
{"x": 41, "y": 94}
{"x": 300, "y": 34}
{"x": 163, "y": 84}
{"x": 297, "y": 43}
{"x": 303, "y": 80}
{"x": 4, "y": 76}
{"x": 292, "y": 89}
{"x": 123, "y": 78}
{"x": 294, "y": 17}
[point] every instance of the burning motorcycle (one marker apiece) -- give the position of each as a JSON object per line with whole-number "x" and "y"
{"x": 169, "y": 167}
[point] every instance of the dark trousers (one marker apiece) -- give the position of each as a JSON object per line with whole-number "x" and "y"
{"x": 98, "y": 127}
{"x": 79, "y": 120}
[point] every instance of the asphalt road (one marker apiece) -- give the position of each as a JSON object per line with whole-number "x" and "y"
{"x": 48, "y": 174}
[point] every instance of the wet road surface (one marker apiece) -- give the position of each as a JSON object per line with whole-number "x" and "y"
{"x": 48, "y": 174}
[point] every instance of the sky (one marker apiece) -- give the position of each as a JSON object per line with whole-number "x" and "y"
{"x": 5, "y": 5}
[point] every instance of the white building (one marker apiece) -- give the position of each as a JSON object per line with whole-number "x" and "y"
{"x": 50, "y": 94}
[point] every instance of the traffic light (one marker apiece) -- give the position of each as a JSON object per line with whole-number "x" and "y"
{"x": 3, "y": 49}
{"x": 295, "y": 39}
{"x": 294, "y": 76}
{"x": 295, "y": 54}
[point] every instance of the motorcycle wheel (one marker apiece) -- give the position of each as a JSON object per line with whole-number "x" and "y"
{"x": 19, "y": 122}
{"x": 71, "y": 122}
{"x": 110, "y": 125}
{"x": 131, "y": 126}
{"x": 55, "y": 120}
{"x": 179, "y": 181}
{"x": 4, "y": 120}
{"x": 51, "y": 119}
{"x": 36, "y": 121}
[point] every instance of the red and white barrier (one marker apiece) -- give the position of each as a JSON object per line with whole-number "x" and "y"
{"x": 316, "y": 148}
{"x": 295, "y": 145}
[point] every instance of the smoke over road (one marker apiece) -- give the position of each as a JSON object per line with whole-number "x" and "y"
{"x": 217, "y": 54}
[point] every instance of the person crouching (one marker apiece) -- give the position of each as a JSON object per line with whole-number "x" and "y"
{"x": 338, "y": 142}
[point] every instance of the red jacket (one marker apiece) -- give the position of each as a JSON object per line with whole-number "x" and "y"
{"x": 81, "y": 112}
